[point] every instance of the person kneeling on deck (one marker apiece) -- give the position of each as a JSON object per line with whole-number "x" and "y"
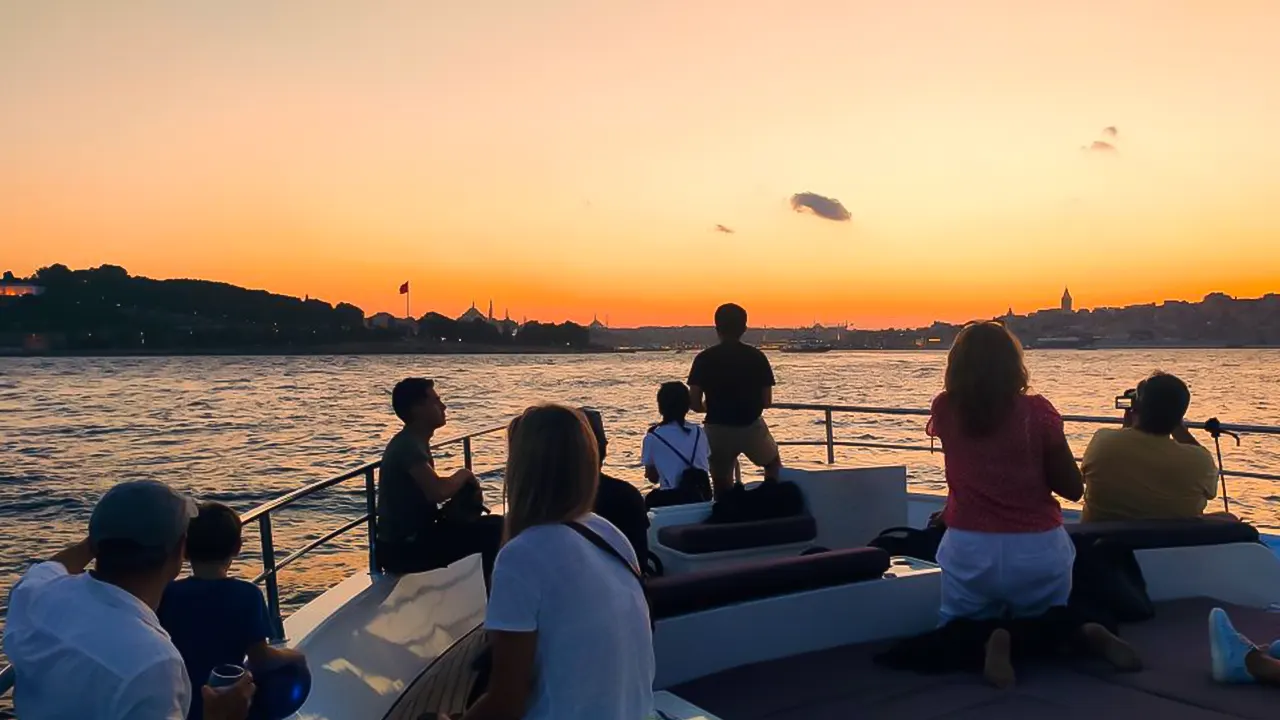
{"x": 415, "y": 533}
{"x": 88, "y": 644}
{"x": 217, "y": 620}
{"x": 1152, "y": 468}
{"x": 732, "y": 382}
{"x": 1005, "y": 557}
{"x": 567, "y": 620}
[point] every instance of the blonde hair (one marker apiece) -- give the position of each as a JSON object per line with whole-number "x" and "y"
{"x": 553, "y": 468}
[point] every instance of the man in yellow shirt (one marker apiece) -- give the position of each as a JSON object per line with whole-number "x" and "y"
{"x": 1152, "y": 468}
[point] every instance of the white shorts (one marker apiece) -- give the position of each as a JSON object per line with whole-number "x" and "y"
{"x": 989, "y": 575}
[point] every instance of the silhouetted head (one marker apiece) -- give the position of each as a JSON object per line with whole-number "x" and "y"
{"x": 985, "y": 376}
{"x": 138, "y": 532}
{"x": 673, "y": 402}
{"x": 596, "y": 422}
{"x": 553, "y": 468}
{"x": 1161, "y": 403}
{"x": 416, "y": 402}
{"x": 214, "y": 535}
{"x": 731, "y": 321}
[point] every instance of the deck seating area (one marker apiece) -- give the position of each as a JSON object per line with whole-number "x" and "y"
{"x": 844, "y": 682}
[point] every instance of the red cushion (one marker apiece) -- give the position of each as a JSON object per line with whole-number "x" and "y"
{"x": 700, "y": 538}
{"x": 693, "y": 592}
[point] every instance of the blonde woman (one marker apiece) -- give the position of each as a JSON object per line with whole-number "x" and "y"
{"x": 567, "y": 615}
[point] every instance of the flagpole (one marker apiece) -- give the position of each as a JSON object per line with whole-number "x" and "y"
{"x": 407, "y": 316}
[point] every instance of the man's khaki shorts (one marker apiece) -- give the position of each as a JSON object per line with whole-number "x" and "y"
{"x": 727, "y": 442}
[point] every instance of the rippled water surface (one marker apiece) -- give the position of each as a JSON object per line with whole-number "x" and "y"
{"x": 242, "y": 430}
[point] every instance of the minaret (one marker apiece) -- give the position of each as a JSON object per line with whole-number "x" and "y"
{"x": 491, "y": 310}
{"x": 1066, "y": 300}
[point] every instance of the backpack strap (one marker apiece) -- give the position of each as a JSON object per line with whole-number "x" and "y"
{"x": 687, "y": 461}
{"x": 595, "y": 539}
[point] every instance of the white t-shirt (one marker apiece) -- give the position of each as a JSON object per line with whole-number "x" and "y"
{"x": 595, "y": 649}
{"x": 670, "y": 465}
{"x": 82, "y": 648}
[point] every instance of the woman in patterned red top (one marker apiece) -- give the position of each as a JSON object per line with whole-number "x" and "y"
{"x": 1005, "y": 553}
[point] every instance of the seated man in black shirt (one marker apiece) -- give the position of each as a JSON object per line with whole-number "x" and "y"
{"x": 413, "y": 534}
{"x": 618, "y": 501}
{"x": 732, "y": 382}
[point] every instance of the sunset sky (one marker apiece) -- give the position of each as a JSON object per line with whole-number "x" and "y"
{"x": 568, "y": 157}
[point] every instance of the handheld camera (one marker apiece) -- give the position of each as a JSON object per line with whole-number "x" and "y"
{"x": 1125, "y": 401}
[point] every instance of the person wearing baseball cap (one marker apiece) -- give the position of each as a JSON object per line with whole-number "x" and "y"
{"x": 89, "y": 644}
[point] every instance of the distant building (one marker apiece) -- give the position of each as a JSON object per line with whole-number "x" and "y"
{"x": 18, "y": 288}
{"x": 596, "y": 324}
{"x": 387, "y": 321}
{"x": 1067, "y": 304}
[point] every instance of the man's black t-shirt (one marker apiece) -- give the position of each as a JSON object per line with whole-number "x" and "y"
{"x": 733, "y": 376}
{"x": 403, "y": 510}
{"x": 623, "y": 505}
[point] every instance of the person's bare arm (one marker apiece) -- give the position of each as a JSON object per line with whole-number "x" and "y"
{"x": 511, "y": 682}
{"x": 76, "y": 557}
{"x": 437, "y": 487}
{"x": 697, "y": 401}
{"x": 262, "y": 655}
{"x": 766, "y": 399}
{"x": 1184, "y": 436}
{"x": 1062, "y": 472}
{"x": 231, "y": 703}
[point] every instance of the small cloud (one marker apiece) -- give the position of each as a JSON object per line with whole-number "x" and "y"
{"x": 1109, "y": 131}
{"x": 723, "y": 229}
{"x": 1100, "y": 146}
{"x": 822, "y": 206}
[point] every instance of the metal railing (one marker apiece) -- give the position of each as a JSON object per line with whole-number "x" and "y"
{"x": 831, "y": 443}
{"x": 263, "y": 513}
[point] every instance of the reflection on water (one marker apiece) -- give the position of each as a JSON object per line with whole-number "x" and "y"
{"x": 242, "y": 430}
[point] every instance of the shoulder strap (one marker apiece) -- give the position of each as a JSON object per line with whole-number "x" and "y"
{"x": 687, "y": 461}
{"x": 604, "y": 545}
{"x": 595, "y": 539}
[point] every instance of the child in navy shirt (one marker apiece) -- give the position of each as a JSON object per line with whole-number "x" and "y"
{"x": 214, "y": 619}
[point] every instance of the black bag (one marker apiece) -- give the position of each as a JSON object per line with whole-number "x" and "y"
{"x": 911, "y": 542}
{"x": 466, "y": 505}
{"x": 694, "y": 482}
{"x": 768, "y": 501}
{"x": 1107, "y": 585}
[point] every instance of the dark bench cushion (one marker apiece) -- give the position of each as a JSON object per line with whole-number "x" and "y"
{"x": 1149, "y": 534}
{"x": 699, "y": 538}
{"x": 693, "y": 592}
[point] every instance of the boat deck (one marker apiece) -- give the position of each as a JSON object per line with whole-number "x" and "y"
{"x": 844, "y": 683}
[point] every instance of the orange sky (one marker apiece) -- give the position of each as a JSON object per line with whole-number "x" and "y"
{"x": 568, "y": 157}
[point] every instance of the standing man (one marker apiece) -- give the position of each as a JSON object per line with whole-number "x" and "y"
{"x": 413, "y": 534}
{"x": 88, "y": 644}
{"x": 732, "y": 383}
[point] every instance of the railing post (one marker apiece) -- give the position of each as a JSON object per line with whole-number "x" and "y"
{"x": 466, "y": 452}
{"x": 371, "y": 505}
{"x": 269, "y": 567}
{"x": 831, "y": 443}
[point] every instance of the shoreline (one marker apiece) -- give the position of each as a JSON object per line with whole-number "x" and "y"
{"x": 317, "y": 350}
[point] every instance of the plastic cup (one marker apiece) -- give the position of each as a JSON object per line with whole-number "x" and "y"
{"x": 224, "y": 676}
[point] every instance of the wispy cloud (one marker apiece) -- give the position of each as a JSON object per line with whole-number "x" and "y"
{"x": 724, "y": 229}
{"x": 820, "y": 205}
{"x": 1100, "y": 146}
{"x": 1110, "y": 131}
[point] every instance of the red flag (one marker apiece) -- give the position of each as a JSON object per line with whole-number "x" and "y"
{"x": 404, "y": 289}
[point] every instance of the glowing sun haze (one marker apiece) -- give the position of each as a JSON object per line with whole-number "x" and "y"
{"x": 886, "y": 163}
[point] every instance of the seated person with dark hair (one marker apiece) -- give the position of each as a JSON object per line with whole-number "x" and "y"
{"x": 617, "y": 500}
{"x": 1152, "y": 468}
{"x": 414, "y": 533}
{"x": 88, "y": 645}
{"x": 214, "y": 619}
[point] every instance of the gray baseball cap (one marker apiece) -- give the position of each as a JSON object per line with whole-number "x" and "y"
{"x": 146, "y": 512}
